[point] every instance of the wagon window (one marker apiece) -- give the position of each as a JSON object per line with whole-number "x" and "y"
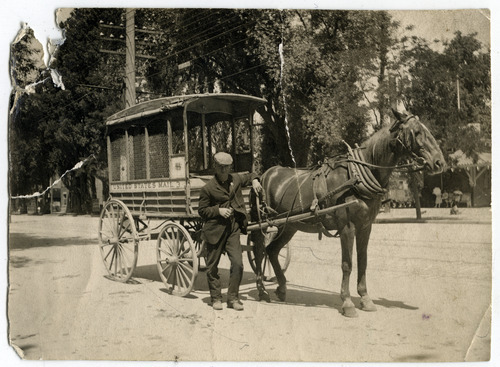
{"x": 177, "y": 142}
{"x": 243, "y": 151}
{"x": 242, "y": 136}
{"x": 137, "y": 153}
{"x": 118, "y": 156}
{"x": 220, "y": 136}
{"x": 158, "y": 150}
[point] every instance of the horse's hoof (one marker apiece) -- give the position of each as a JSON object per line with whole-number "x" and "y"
{"x": 281, "y": 294}
{"x": 349, "y": 311}
{"x": 368, "y": 305}
{"x": 264, "y": 296}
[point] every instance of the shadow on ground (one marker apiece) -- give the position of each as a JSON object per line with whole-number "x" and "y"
{"x": 313, "y": 297}
{"x": 150, "y": 273}
{"x": 296, "y": 294}
{"x": 21, "y": 241}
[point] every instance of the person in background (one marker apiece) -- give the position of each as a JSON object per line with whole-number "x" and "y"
{"x": 445, "y": 198}
{"x": 223, "y": 211}
{"x": 437, "y": 193}
{"x": 457, "y": 197}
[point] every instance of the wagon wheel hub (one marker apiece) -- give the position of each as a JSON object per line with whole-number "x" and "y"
{"x": 173, "y": 259}
{"x": 114, "y": 241}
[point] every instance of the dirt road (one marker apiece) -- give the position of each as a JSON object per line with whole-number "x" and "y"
{"x": 431, "y": 283}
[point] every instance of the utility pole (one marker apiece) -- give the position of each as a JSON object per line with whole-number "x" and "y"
{"x": 458, "y": 93}
{"x": 130, "y": 58}
{"x": 130, "y": 42}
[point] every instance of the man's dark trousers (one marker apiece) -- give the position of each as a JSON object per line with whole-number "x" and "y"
{"x": 229, "y": 242}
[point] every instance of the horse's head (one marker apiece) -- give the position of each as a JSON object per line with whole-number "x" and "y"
{"x": 416, "y": 141}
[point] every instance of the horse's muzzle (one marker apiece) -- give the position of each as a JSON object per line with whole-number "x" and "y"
{"x": 437, "y": 167}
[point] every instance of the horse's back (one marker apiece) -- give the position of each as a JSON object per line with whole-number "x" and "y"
{"x": 288, "y": 188}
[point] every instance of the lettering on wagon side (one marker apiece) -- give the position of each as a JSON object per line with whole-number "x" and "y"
{"x": 133, "y": 186}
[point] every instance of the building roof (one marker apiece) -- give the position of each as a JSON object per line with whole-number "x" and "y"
{"x": 460, "y": 160}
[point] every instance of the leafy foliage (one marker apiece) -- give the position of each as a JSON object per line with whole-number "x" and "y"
{"x": 307, "y": 64}
{"x": 59, "y": 127}
{"x": 324, "y": 75}
{"x": 439, "y": 81}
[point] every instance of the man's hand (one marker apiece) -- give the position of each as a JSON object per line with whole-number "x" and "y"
{"x": 256, "y": 185}
{"x": 226, "y": 212}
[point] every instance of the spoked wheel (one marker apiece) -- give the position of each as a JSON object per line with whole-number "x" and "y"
{"x": 284, "y": 258}
{"x": 194, "y": 227}
{"x": 118, "y": 240}
{"x": 176, "y": 259}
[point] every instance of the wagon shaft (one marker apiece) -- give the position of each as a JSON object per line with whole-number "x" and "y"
{"x": 278, "y": 222}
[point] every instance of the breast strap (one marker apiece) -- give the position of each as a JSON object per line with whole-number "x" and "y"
{"x": 367, "y": 185}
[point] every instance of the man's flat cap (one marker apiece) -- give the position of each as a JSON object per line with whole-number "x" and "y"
{"x": 223, "y": 159}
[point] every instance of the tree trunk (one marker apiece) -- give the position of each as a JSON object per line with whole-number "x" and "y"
{"x": 416, "y": 195}
{"x": 416, "y": 183}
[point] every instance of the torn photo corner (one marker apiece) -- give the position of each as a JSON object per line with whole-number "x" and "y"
{"x": 360, "y": 126}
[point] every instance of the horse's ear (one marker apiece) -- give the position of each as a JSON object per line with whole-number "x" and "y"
{"x": 397, "y": 122}
{"x": 398, "y": 115}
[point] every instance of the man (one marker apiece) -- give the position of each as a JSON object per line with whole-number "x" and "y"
{"x": 222, "y": 208}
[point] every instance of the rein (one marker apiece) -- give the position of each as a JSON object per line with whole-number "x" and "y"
{"x": 396, "y": 167}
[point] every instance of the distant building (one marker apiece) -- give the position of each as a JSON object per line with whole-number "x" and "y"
{"x": 478, "y": 175}
{"x": 59, "y": 195}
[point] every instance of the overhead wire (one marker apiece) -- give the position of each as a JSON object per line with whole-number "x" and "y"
{"x": 207, "y": 54}
{"x": 211, "y": 38}
{"x": 178, "y": 52}
{"x": 200, "y": 43}
{"x": 206, "y": 30}
{"x": 209, "y": 13}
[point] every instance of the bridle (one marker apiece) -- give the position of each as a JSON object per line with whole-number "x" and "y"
{"x": 406, "y": 145}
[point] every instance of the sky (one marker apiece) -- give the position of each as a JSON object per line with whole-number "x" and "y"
{"x": 40, "y": 15}
{"x": 442, "y": 25}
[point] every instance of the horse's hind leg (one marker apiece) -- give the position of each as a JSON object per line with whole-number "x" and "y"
{"x": 259, "y": 253}
{"x": 273, "y": 251}
{"x": 347, "y": 242}
{"x": 362, "y": 238}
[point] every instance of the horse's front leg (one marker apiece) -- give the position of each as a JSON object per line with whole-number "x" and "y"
{"x": 259, "y": 254}
{"x": 362, "y": 238}
{"x": 347, "y": 243}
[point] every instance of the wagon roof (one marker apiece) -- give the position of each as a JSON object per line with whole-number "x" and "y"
{"x": 157, "y": 106}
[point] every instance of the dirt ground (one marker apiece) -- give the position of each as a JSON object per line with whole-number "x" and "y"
{"x": 431, "y": 282}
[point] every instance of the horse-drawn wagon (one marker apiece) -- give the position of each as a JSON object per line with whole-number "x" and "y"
{"x": 158, "y": 160}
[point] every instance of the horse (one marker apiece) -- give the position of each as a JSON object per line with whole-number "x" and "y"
{"x": 359, "y": 179}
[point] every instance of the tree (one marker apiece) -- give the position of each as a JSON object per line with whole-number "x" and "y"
{"x": 310, "y": 66}
{"x": 307, "y": 64}
{"x": 353, "y": 51}
{"x": 451, "y": 91}
{"x": 24, "y": 143}
{"x": 93, "y": 81}
{"x": 57, "y": 127}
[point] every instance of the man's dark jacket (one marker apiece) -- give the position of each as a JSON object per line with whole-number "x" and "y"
{"x": 214, "y": 196}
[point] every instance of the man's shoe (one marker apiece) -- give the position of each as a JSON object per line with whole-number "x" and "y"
{"x": 217, "y": 305}
{"x": 237, "y": 305}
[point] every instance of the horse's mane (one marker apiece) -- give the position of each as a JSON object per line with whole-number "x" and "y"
{"x": 376, "y": 147}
